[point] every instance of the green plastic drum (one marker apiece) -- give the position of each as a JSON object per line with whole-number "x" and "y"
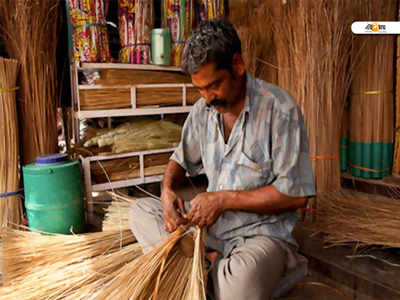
{"x": 54, "y": 195}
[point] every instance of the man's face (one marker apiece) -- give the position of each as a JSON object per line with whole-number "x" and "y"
{"x": 218, "y": 87}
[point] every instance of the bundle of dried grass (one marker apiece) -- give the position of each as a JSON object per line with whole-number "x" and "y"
{"x": 145, "y": 134}
{"x": 258, "y": 50}
{"x": 314, "y": 40}
{"x": 366, "y": 219}
{"x": 116, "y": 215}
{"x": 61, "y": 282}
{"x": 160, "y": 274}
{"x": 372, "y": 97}
{"x": 396, "y": 156}
{"x": 52, "y": 252}
{"x": 11, "y": 206}
{"x": 97, "y": 268}
{"x": 112, "y": 98}
{"x": 30, "y": 31}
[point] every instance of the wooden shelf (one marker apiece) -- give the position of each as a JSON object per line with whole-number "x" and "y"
{"x": 99, "y": 66}
{"x": 389, "y": 181}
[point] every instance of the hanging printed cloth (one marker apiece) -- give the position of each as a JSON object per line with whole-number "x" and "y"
{"x": 135, "y": 23}
{"x": 211, "y": 9}
{"x": 89, "y": 31}
{"x": 178, "y": 17}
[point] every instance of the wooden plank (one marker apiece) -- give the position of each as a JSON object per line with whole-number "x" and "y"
{"x": 367, "y": 277}
{"x": 99, "y": 66}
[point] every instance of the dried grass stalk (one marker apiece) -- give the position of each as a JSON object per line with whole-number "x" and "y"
{"x": 116, "y": 214}
{"x": 64, "y": 282}
{"x": 258, "y": 49}
{"x": 30, "y": 31}
{"x": 10, "y": 207}
{"x": 372, "y": 122}
{"x": 349, "y": 216}
{"x": 162, "y": 273}
{"x": 396, "y": 156}
{"x": 47, "y": 252}
{"x": 313, "y": 59}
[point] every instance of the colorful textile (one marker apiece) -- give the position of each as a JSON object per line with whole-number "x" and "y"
{"x": 135, "y": 23}
{"x": 89, "y": 31}
{"x": 179, "y": 18}
{"x": 211, "y": 9}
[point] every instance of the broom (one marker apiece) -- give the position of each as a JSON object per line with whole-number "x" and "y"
{"x": 51, "y": 252}
{"x": 60, "y": 282}
{"x": 11, "y": 206}
{"x": 350, "y": 216}
{"x": 162, "y": 273}
{"x": 30, "y": 31}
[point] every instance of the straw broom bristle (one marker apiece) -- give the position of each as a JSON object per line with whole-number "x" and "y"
{"x": 10, "y": 207}
{"x": 55, "y": 251}
{"x": 350, "y": 216}
{"x": 163, "y": 273}
{"x": 108, "y": 272}
{"x": 60, "y": 282}
{"x": 30, "y": 30}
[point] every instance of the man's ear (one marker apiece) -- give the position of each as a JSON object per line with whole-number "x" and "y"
{"x": 238, "y": 66}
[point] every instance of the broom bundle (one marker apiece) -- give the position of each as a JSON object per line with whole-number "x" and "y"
{"x": 162, "y": 273}
{"x": 11, "y": 206}
{"x": 396, "y": 156}
{"x": 313, "y": 57}
{"x": 372, "y": 98}
{"x": 51, "y": 252}
{"x": 117, "y": 213}
{"x": 61, "y": 282}
{"x": 30, "y": 31}
{"x": 138, "y": 135}
{"x": 347, "y": 217}
{"x": 258, "y": 50}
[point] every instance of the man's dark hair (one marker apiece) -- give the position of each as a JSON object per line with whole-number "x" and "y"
{"x": 212, "y": 41}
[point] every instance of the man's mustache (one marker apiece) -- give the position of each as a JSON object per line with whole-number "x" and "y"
{"x": 218, "y": 102}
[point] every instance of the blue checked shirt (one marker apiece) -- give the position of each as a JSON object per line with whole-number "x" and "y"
{"x": 267, "y": 145}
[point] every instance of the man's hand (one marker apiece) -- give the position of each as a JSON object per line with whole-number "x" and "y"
{"x": 206, "y": 208}
{"x": 173, "y": 210}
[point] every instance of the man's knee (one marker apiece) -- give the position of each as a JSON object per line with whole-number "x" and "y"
{"x": 252, "y": 272}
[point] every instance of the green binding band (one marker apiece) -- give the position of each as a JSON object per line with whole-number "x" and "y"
{"x": 370, "y": 160}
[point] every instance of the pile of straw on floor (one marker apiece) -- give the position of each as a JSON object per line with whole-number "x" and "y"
{"x": 351, "y": 216}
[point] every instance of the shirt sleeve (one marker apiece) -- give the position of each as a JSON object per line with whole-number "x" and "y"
{"x": 290, "y": 154}
{"x": 188, "y": 152}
